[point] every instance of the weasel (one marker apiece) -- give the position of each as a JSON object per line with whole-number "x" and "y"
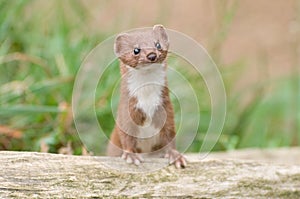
{"x": 145, "y": 117}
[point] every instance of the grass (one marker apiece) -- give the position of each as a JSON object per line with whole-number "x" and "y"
{"x": 42, "y": 47}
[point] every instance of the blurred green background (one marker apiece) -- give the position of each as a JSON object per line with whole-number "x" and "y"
{"x": 256, "y": 46}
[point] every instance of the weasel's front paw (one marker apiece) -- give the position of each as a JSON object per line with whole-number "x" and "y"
{"x": 176, "y": 158}
{"x": 132, "y": 158}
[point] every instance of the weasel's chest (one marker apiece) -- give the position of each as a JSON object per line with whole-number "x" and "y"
{"x": 146, "y": 86}
{"x": 149, "y": 98}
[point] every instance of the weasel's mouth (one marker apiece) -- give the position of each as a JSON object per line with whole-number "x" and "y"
{"x": 152, "y": 62}
{"x": 148, "y": 66}
{"x": 144, "y": 63}
{"x": 158, "y": 60}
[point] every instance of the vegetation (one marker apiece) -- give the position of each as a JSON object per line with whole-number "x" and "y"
{"x": 42, "y": 47}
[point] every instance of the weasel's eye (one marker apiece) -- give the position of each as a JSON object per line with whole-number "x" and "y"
{"x": 158, "y": 46}
{"x": 136, "y": 51}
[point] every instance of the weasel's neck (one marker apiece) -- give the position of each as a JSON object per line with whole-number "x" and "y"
{"x": 146, "y": 84}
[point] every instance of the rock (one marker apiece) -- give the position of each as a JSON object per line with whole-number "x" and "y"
{"x": 43, "y": 175}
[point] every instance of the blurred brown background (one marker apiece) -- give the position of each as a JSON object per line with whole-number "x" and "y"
{"x": 255, "y": 44}
{"x": 255, "y": 32}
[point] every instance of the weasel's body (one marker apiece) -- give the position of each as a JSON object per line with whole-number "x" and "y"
{"x": 145, "y": 121}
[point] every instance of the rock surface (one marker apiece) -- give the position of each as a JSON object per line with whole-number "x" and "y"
{"x": 42, "y": 175}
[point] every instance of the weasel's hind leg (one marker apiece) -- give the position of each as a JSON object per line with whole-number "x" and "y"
{"x": 114, "y": 145}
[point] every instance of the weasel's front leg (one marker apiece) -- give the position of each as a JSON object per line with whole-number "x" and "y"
{"x": 172, "y": 154}
{"x": 176, "y": 158}
{"x": 132, "y": 158}
{"x": 129, "y": 149}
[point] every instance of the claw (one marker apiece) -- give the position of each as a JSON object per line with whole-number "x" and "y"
{"x": 176, "y": 158}
{"x": 128, "y": 160}
{"x": 123, "y": 156}
{"x": 137, "y": 162}
{"x": 177, "y": 164}
{"x": 132, "y": 158}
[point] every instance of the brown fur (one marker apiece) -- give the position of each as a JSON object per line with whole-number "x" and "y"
{"x": 123, "y": 137}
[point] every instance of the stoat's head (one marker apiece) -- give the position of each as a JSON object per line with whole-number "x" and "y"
{"x": 140, "y": 48}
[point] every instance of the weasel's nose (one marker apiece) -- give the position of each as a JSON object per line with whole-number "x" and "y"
{"x": 151, "y": 56}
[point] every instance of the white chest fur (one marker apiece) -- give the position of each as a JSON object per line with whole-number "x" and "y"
{"x": 146, "y": 85}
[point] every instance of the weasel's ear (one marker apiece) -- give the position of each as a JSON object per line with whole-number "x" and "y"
{"x": 161, "y": 32}
{"x": 120, "y": 44}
